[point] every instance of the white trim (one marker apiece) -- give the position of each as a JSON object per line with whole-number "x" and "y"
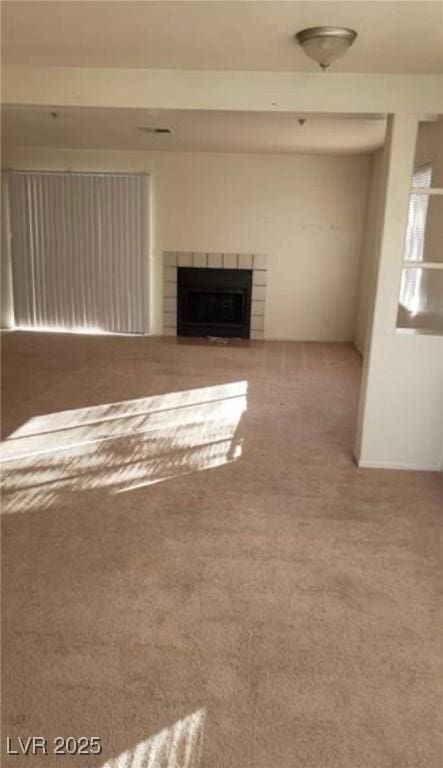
{"x": 417, "y": 332}
{"x": 422, "y": 264}
{"x": 400, "y": 466}
{"x": 427, "y": 190}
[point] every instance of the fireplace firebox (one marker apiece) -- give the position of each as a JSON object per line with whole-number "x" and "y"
{"x": 214, "y": 302}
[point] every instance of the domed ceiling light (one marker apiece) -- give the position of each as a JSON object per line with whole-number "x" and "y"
{"x": 325, "y": 44}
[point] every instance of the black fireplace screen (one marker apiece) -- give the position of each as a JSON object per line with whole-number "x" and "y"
{"x": 214, "y": 302}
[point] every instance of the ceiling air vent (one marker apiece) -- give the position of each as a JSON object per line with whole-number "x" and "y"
{"x": 148, "y": 129}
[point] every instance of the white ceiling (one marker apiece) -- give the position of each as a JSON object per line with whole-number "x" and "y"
{"x": 392, "y": 36}
{"x": 192, "y": 130}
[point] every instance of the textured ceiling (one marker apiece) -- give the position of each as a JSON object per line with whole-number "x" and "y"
{"x": 192, "y": 130}
{"x": 393, "y": 37}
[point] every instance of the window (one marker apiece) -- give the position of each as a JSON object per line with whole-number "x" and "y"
{"x": 411, "y": 289}
{"x": 420, "y": 306}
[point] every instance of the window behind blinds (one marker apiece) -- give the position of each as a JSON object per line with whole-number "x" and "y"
{"x": 80, "y": 251}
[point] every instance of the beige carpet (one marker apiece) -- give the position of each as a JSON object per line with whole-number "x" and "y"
{"x": 195, "y": 571}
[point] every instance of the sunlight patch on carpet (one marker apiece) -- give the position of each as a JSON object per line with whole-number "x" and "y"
{"x": 178, "y": 746}
{"x": 121, "y": 446}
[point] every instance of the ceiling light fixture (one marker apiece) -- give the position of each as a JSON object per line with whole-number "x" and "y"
{"x": 325, "y": 44}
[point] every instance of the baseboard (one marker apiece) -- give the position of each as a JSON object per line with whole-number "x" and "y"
{"x": 308, "y": 341}
{"x": 399, "y": 465}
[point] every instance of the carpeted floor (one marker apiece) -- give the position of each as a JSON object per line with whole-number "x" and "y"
{"x": 194, "y": 569}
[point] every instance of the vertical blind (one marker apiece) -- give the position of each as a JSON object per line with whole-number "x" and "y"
{"x": 80, "y": 251}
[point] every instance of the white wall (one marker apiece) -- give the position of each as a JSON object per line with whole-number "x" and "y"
{"x": 370, "y": 250}
{"x": 430, "y": 151}
{"x": 239, "y": 91}
{"x": 307, "y": 212}
{"x": 401, "y": 403}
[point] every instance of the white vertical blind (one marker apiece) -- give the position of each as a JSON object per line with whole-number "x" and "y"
{"x": 80, "y": 251}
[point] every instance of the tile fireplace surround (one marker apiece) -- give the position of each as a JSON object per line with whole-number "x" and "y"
{"x": 257, "y": 262}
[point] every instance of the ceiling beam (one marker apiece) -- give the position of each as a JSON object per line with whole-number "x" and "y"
{"x": 222, "y": 90}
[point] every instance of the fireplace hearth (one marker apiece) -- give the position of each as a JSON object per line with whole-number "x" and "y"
{"x": 214, "y": 302}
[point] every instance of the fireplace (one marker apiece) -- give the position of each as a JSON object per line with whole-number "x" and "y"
{"x": 229, "y": 310}
{"x": 214, "y": 302}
